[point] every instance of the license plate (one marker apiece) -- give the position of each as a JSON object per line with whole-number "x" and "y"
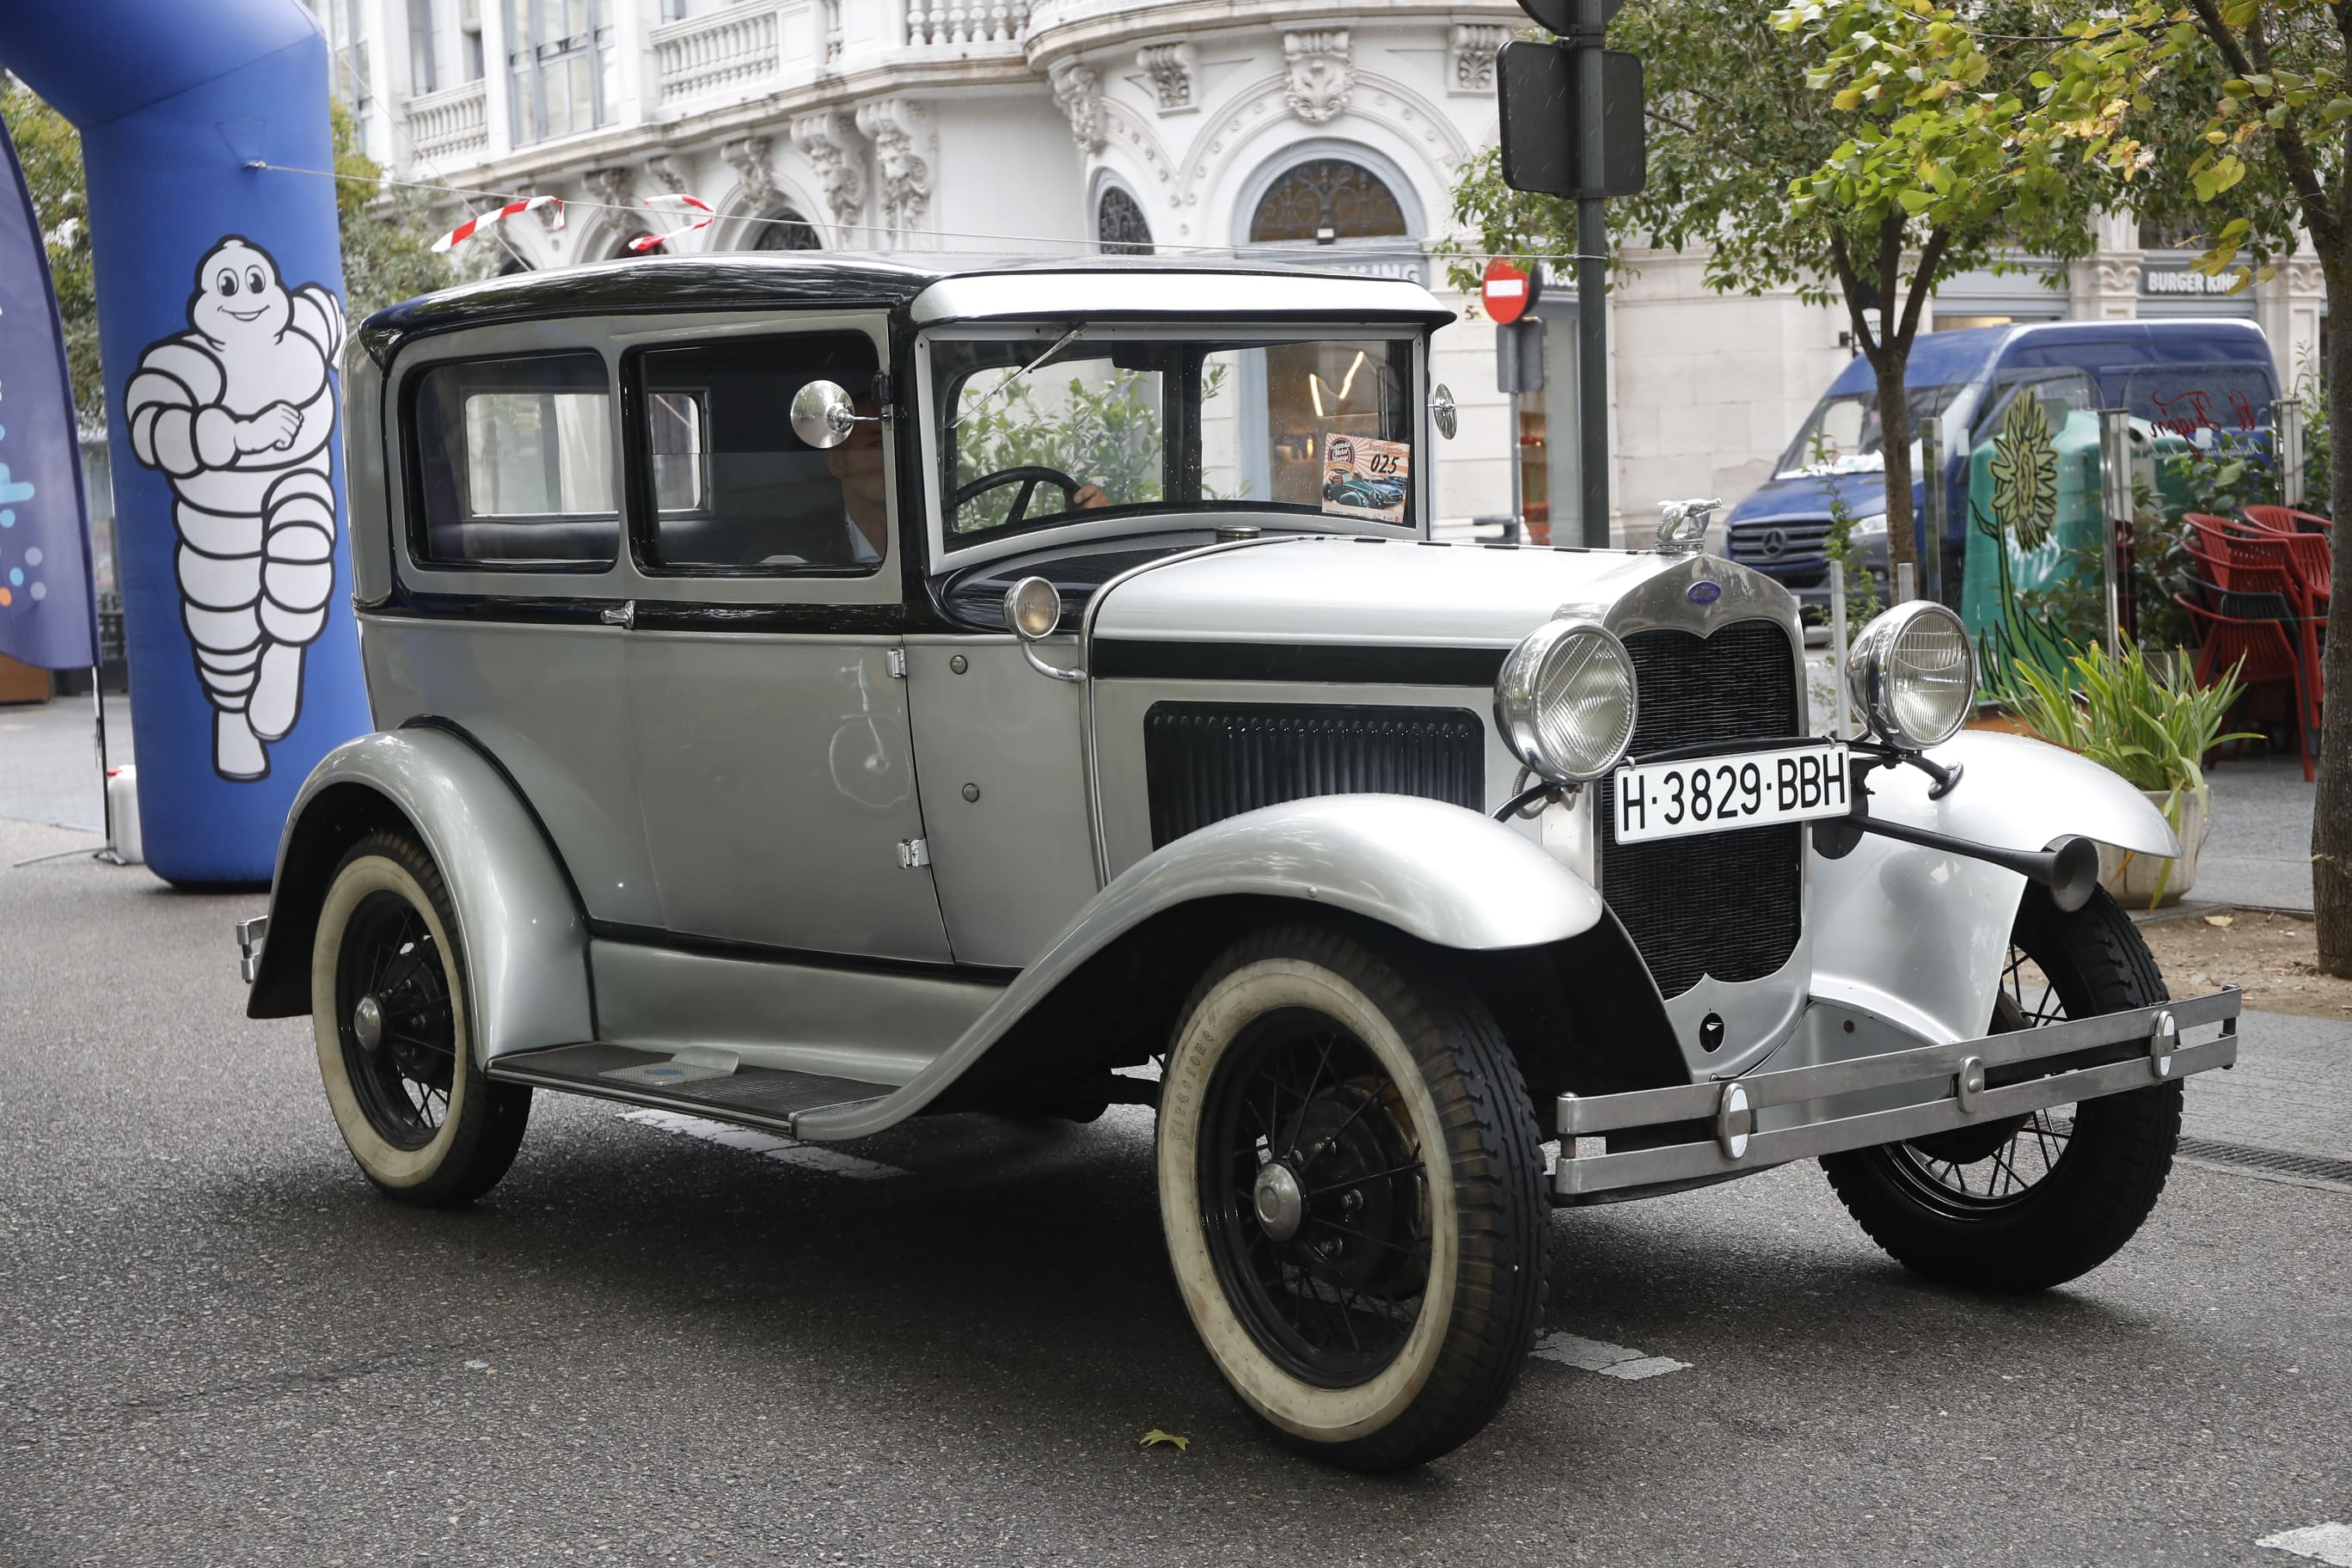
{"x": 1715, "y": 794}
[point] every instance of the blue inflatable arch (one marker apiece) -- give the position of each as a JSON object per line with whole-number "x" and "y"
{"x": 220, "y": 317}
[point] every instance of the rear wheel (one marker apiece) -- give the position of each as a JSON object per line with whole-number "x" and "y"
{"x": 389, "y": 1008}
{"x": 1351, "y": 1187}
{"x": 2029, "y": 1202}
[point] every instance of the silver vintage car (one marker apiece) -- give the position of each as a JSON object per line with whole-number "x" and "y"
{"x": 816, "y": 693}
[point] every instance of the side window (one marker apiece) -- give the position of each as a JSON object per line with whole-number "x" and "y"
{"x": 514, "y": 463}
{"x": 730, "y": 488}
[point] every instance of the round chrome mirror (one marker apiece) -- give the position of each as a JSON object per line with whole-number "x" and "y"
{"x": 822, "y": 413}
{"x": 1443, "y": 410}
{"x": 1033, "y": 608}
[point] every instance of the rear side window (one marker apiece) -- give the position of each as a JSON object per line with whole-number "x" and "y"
{"x": 732, "y": 489}
{"x": 515, "y": 463}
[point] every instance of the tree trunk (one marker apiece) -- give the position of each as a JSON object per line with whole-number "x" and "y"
{"x": 2331, "y": 817}
{"x": 1892, "y": 362}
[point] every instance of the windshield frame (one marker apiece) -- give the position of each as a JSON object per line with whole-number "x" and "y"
{"x": 930, "y": 441}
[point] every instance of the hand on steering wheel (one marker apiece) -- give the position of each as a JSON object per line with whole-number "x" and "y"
{"x": 1028, "y": 476}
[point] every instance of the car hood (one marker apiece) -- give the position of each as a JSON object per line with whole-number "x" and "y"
{"x": 1402, "y": 594}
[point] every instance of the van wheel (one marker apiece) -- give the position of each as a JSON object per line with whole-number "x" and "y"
{"x": 2029, "y": 1202}
{"x": 1351, "y": 1187}
{"x": 390, "y": 1008}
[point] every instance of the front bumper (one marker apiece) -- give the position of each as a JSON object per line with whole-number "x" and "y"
{"x": 1970, "y": 1081}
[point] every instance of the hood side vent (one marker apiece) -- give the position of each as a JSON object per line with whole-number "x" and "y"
{"x": 1209, "y": 761}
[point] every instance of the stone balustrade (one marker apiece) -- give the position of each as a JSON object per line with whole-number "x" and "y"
{"x": 454, "y": 124}
{"x": 729, "y": 48}
{"x": 954, "y": 24}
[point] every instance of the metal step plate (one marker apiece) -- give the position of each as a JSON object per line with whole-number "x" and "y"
{"x": 762, "y": 1097}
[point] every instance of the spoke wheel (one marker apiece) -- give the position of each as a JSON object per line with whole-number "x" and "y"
{"x": 393, "y": 1023}
{"x": 2028, "y": 1202}
{"x": 1316, "y": 1198}
{"x": 1351, "y": 1188}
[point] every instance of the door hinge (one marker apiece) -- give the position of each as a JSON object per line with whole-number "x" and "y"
{"x": 624, "y": 615}
{"x": 914, "y": 853}
{"x": 895, "y": 660}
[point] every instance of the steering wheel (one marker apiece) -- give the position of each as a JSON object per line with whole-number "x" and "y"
{"x": 1028, "y": 476}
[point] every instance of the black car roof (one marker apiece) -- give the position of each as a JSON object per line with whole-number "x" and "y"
{"x": 734, "y": 281}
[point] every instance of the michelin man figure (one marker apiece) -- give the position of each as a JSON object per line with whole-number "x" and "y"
{"x": 238, "y": 413}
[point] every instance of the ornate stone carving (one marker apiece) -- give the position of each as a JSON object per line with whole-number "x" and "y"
{"x": 611, "y": 186}
{"x": 665, "y": 173}
{"x": 1079, "y": 90}
{"x": 551, "y": 218}
{"x": 1470, "y": 63}
{"x": 1171, "y": 68}
{"x": 1322, "y": 73}
{"x": 747, "y": 156}
{"x": 830, "y": 142}
{"x": 902, "y": 134}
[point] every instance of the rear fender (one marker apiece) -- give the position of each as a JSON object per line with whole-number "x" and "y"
{"x": 1437, "y": 873}
{"x": 519, "y": 922}
{"x": 1920, "y": 937}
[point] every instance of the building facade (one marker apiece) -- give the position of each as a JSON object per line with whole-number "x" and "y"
{"x": 1250, "y": 128}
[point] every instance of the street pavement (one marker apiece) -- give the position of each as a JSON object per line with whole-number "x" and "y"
{"x": 218, "y": 1346}
{"x": 2257, "y": 851}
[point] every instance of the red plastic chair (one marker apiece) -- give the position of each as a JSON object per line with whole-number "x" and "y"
{"x": 2307, "y": 560}
{"x": 2259, "y": 646}
{"x": 2287, "y": 520}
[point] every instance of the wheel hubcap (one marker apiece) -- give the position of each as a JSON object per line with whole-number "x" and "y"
{"x": 1281, "y": 1204}
{"x": 367, "y": 1023}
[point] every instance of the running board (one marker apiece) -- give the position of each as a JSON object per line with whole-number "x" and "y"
{"x": 750, "y": 1097}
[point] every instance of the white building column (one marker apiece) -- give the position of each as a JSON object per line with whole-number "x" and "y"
{"x": 2289, "y": 308}
{"x": 2105, "y": 285}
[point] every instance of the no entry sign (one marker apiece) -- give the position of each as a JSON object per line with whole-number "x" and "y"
{"x": 1509, "y": 291}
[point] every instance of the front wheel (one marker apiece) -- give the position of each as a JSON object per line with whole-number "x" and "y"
{"x": 388, "y": 1004}
{"x": 1351, "y": 1187}
{"x": 2029, "y": 1202}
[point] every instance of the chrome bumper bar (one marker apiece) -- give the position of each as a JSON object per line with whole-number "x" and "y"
{"x": 1730, "y": 1108}
{"x": 250, "y": 935}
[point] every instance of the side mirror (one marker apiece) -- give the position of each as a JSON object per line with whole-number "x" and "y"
{"x": 823, "y": 414}
{"x": 1443, "y": 410}
{"x": 1033, "y": 608}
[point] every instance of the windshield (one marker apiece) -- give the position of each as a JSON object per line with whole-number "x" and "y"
{"x": 1843, "y": 435}
{"x": 1119, "y": 421}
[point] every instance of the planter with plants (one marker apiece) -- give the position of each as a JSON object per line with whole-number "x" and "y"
{"x": 2149, "y": 721}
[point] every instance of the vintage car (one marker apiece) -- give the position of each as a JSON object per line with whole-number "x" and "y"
{"x": 816, "y": 692}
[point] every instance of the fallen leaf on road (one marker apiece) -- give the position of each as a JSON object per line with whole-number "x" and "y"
{"x": 2217, "y": 919}
{"x": 1156, "y": 1436}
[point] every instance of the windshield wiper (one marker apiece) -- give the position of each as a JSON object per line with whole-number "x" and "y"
{"x": 1065, "y": 341}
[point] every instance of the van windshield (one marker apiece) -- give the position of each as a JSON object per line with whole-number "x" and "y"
{"x": 1843, "y": 435}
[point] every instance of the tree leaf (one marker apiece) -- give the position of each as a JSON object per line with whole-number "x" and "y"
{"x": 1155, "y": 1437}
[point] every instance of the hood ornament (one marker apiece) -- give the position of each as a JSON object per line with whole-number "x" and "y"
{"x": 1683, "y": 528}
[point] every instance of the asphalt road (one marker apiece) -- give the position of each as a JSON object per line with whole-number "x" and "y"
{"x": 218, "y": 1346}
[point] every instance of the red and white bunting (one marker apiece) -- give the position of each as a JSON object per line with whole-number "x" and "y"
{"x": 465, "y": 230}
{"x": 647, "y": 241}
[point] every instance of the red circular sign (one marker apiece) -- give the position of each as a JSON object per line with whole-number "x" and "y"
{"x": 1508, "y": 290}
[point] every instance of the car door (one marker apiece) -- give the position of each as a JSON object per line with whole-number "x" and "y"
{"x": 768, "y": 714}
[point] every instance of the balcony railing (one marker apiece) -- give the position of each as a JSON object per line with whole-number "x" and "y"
{"x": 729, "y": 48}
{"x": 949, "y": 24}
{"x": 453, "y": 123}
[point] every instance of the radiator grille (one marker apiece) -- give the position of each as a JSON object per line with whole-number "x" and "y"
{"x": 1209, "y": 761}
{"x": 1726, "y": 904}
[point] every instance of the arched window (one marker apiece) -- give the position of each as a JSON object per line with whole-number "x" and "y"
{"x": 1324, "y": 201}
{"x": 620, "y": 251}
{"x": 1119, "y": 223}
{"x": 783, "y": 229}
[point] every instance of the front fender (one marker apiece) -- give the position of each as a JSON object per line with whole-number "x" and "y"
{"x": 1448, "y": 876}
{"x": 1920, "y": 937}
{"x": 519, "y": 924}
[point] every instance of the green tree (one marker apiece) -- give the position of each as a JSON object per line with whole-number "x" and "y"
{"x": 1858, "y": 153}
{"x": 388, "y": 232}
{"x": 2260, "y": 86}
{"x": 50, "y": 152}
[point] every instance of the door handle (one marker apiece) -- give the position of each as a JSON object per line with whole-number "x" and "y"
{"x": 624, "y": 615}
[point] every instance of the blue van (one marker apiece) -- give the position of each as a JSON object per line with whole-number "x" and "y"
{"x": 2193, "y": 378}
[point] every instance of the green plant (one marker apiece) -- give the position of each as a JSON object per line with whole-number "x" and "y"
{"x": 1861, "y": 589}
{"x": 2149, "y": 721}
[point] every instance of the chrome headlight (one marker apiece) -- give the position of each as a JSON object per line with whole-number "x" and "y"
{"x": 1913, "y": 674}
{"x": 1565, "y": 701}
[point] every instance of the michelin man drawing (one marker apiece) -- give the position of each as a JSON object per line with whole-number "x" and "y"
{"x": 238, "y": 413}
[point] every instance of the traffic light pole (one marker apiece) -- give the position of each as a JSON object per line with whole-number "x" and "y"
{"x": 1591, "y": 282}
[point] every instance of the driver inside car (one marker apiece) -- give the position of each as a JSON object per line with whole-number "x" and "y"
{"x": 857, "y": 465}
